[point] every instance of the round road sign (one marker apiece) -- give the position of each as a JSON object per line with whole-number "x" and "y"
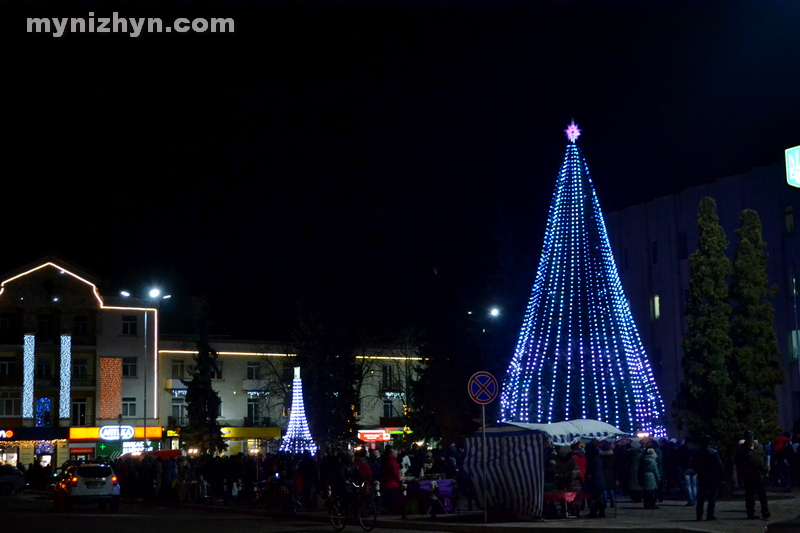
{"x": 483, "y": 388}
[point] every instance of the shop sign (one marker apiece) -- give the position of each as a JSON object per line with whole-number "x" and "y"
{"x": 116, "y": 432}
{"x": 373, "y": 435}
{"x": 81, "y": 450}
{"x": 6, "y": 434}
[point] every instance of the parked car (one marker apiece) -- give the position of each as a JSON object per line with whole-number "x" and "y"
{"x": 87, "y": 483}
{"x": 11, "y": 479}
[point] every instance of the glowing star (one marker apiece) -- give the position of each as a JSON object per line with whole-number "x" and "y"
{"x": 572, "y": 132}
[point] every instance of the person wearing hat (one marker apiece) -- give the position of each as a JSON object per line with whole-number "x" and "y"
{"x": 751, "y": 462}
{"x": 650, "y": 478}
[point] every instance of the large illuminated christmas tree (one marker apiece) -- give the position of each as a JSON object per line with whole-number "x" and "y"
{"x": 298, "y": 436}
{"x": 579, "y": 354}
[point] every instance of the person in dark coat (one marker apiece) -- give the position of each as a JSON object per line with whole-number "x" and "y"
{"x": 609, "y": 474}
{"x": 708, "y": 465}
{"x": 650, "y": 478}
{"x": 595, "y": 482}
{"x": 566, "y": 469}
{"x": 632, "y": 458}
{"x": 751, "y": 462}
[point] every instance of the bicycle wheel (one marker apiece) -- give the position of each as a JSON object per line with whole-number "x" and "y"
{"x": 337, "y": 514}
{"x": 367, "y": 515}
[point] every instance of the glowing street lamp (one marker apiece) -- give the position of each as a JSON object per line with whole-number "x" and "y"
{"x": 152, "y": 299}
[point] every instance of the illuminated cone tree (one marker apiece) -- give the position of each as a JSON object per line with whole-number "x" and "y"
{"x": 579, "y": 354}
{"x": 298, "y": 436}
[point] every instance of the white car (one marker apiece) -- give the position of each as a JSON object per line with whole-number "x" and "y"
{"x": 87, "y": 483}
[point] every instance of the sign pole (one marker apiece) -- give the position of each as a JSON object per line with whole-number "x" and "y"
{"x": 483, "y": 388}
{"x": 483, "y": 425}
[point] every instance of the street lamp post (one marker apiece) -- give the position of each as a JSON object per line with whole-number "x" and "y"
{"x": 152, "y": 297}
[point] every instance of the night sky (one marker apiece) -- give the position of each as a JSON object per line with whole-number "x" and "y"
{"x": 351, "y": 157}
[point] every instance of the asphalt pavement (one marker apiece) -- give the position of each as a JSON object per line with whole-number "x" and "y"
{"x": 672, "y": 516}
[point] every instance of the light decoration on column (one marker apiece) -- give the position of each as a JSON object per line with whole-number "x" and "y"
{"x": 66, "y": 376}
{"x": 298, "y": 436}
{"x": 28, "y": 364}
{"x": 579, "y": 354}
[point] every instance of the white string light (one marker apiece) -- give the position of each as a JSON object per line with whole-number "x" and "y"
{"x": 298, "y": 436}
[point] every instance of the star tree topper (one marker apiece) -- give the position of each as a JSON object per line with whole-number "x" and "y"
{"x": 572, "y": 132}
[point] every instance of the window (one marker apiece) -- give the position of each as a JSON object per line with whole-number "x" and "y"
{"x": 655, "y": 307}
{"x": 683, "y": 245}
{"x": 219, "y": 411}
{"x": 789, "y": 217}
{"x": 7, "y": 366}
{"x": 129, "y": 407}
{"x": 80, "y": 368}
{"x": 794, "y": 345}
{"x": 625, "y": 258}
{"x": 6, "y": 324}
{"x": 179, "y": 411}
{"x": 217, "y": 373}
{"x": 44, "y": 367}
{"x": 79, "y": 411}
{"x": 178, "y": 368}
{"x": 80, "y": 325}
{"x": 10, "y": 403}
{"x": 129, "y": 323}
{"x": 44, "y": 326}
{"x": 253, "y": 411}
{"x": 387, "y": 377}
{"x": 253, "y": 370}
{"x": 388, "y": 409}
{"x": 654, "y": 252}
{"x": 129, "y": 367}
{"x": 288, "y": 372}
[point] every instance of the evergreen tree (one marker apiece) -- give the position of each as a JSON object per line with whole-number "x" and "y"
{"x": 327, "y": 359}
{"x": 755, "y": 360}
{"x": 203, "y": 432}
{"x": 703, "y": 403}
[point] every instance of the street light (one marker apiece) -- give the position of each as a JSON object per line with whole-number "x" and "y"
{"x": 153, "y": 296}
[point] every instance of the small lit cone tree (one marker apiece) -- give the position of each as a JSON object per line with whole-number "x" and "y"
{"x": 298, "y": 436}
{"x": 579, "y": 354}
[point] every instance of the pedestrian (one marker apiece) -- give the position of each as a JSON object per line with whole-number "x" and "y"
{"x": 607, "y": 456}
{"x": 633, "y": 457}
{"x": 710, "y": 473}
{"x": 687, "y": 475}
{"x": 650, "y": 478}
{"x": 751, "y": 462}
{"x": 595, "y": 481}
{"x": 391, "y": 483}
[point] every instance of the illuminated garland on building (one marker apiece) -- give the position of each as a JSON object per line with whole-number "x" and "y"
{"x": 66, "y": 376}
{"x": 28, "y": 364}
{"x": 579, "y": 354}
{"x": 298, "y": 436}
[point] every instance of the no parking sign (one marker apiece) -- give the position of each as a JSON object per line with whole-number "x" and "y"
{"x": 483, "y": 388}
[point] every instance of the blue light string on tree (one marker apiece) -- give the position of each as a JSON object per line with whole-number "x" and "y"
{"x": 579, "y": 354}
{"x": 298, "y": 437}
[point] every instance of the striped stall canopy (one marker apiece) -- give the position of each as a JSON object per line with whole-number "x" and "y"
{"x": 514, "y": 475}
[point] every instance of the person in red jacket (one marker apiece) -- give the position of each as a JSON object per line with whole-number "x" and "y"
{"x": 391, "y": 483}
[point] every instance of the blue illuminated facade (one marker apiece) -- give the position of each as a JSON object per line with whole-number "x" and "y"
{"x": 579, "y": 354}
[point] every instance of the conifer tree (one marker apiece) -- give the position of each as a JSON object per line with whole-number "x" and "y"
{"x": 703, "y": 403}
{"x": 203, "y": 432}
{"x": 754, "y": 365}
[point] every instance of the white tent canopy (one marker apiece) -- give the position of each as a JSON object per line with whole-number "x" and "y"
{"x": 568, "y": 432}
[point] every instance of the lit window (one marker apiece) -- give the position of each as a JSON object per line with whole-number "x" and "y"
{"x": 655, "y": 307}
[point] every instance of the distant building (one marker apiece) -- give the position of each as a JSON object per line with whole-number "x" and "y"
{"x": 653, "y": 241}
{"x": 83, "y": 374}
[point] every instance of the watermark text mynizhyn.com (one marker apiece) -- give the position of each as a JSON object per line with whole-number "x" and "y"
{"x": 134, "y": 27}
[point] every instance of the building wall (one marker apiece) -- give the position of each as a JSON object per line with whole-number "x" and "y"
{"x": 671, "y": 223}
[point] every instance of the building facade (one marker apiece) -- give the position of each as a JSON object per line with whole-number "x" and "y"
{"x": 84, "y": 375}
{"x": 652, "y": 243}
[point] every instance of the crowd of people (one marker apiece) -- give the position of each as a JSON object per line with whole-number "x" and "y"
{"x": 645, "y": 470}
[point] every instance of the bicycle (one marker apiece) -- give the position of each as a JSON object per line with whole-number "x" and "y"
{"x": 361, "y": 507}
